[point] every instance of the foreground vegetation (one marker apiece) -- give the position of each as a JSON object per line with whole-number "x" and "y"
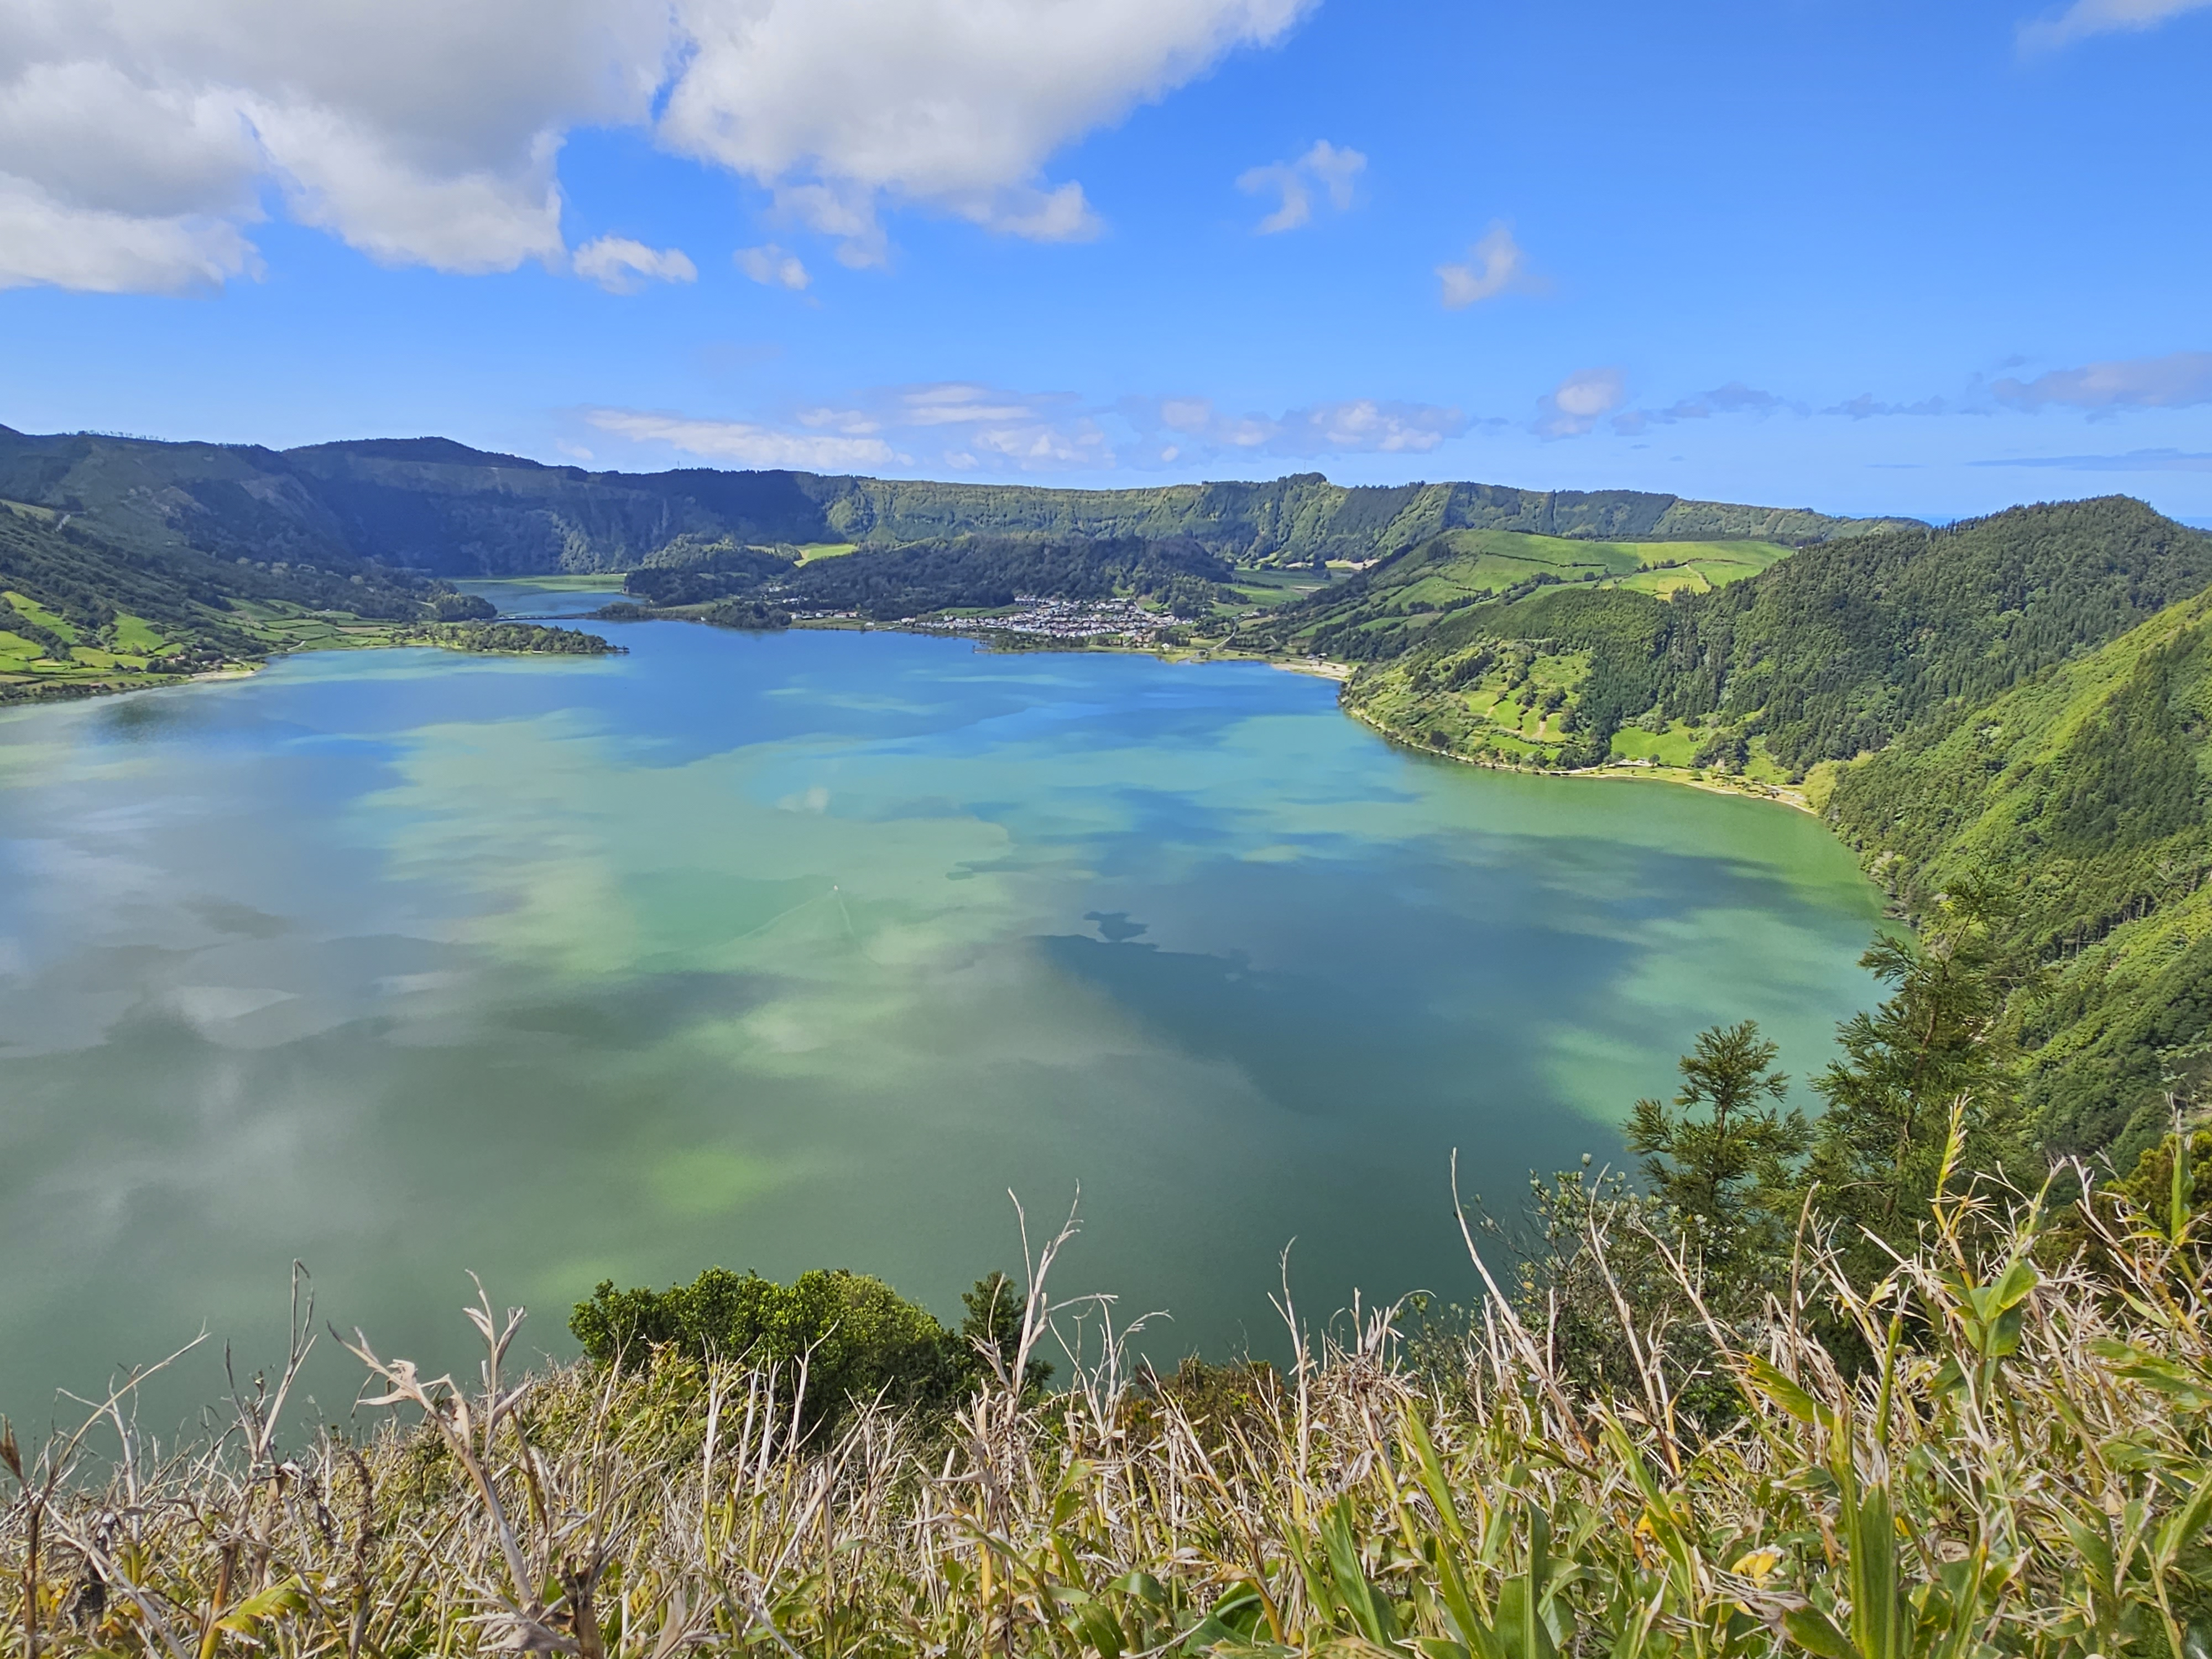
{"x": 2022, "y": 1467}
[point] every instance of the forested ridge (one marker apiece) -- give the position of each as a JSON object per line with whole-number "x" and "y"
{"x": 436, "y": 506}
{"x": 1837, "y": 650}
{"x": 2087, "y": 790}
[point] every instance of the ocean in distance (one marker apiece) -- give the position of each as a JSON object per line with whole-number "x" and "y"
{"x": 802, "y": 950}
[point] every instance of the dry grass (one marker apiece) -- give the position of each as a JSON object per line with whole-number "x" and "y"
{"x": 2027, "y": 1469}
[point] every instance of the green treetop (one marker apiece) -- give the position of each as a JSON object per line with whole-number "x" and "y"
{"x": 1931, "y": 1050}
{"x": 1723, "y": 1155}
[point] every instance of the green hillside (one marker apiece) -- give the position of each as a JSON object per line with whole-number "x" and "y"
{"x": 1388, "y": 609}
{"x": 79, "y": 615}
{"x": 2088, "y": 789}
{"x": 438, "y": 506}
{"x": 1838, "y": 650}
{"x": 2024, "y": 699}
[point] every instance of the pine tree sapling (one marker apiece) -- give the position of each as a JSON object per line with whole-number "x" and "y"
{"x": 1722, "y": 1156}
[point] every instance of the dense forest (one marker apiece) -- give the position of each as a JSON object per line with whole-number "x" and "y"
{"x": 434, "y": 506}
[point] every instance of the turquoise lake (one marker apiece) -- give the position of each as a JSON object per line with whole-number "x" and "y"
{"x": 802, "y": 950}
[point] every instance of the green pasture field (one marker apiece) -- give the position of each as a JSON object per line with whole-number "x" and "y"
{"x": 31, "y": 611}
{"x": 574, "y": 581}
{"x": 1266, "y": 588}
{"x": 1275, "y": 586}
{"x": 1476, "y": 560}
{"x": 1698, "y": 566}
{"x": 135, "y": 635}
{"x": 1672, "y": 748}
{"x": 1402, "y": 598}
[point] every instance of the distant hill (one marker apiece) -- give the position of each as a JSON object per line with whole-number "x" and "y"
{"x": 79, "y": 614}
{"x": 888, "y": 584}
{"x": 432, "y": 505}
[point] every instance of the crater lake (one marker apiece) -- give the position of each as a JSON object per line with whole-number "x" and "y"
{"x": 804, "y": 950}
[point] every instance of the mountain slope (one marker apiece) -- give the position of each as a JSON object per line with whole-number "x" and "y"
{"x": 2027, "y": 697}
{"x": 79, "y": 615}
{"x": 435, "y": 505}
{"x": 1839, "y": 649}
{"x": 1391, "y": 608}
{"x": 2088, "y": 789}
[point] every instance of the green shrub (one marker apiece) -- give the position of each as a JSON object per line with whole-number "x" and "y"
{"x": 833, "y": 1338}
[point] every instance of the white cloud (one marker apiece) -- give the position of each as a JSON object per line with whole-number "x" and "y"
{"x": 954, "y": 104}
{"x": 1062, "y": 214}
{"x": 1865, "y": 406}
{"x": 773, "y": 267}
{"x": 1046, "y": 445}
{"x": 102, "y": 251}
{"x": 841, "y": 210}
{"x": 341, "y": 175}
{"x": 141, "y": 136}
{"x": 2087, "y": 17}
{"x": 1365, "y": 427}
{"x": 1023, "y": 431}
{"x": 622, "y": 267}
{"x": 958, "y": 402}
{"x": 1579, "y": 403}
{"x": 744, "y": 443}
{"x": 1334, "y": 171}
{"x": 2174, "y": 381}
{"x": 853, "y": 423}
{"x": 1497, "y": 265}
{"x": 419, "y": 132}
{"x": 92, "y": 135}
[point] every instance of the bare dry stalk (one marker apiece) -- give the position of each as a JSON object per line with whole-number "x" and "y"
{"x": 2024, "y": 1467}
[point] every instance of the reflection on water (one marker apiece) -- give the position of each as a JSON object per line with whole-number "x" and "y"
{"x": 802, "y": 950}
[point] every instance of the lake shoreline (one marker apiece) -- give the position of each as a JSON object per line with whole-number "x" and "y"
{"x": 1748, "y": 789}
{"x": 995, "y": 642}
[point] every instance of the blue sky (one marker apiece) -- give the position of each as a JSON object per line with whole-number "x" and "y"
{"x": 1862, "y": 256}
